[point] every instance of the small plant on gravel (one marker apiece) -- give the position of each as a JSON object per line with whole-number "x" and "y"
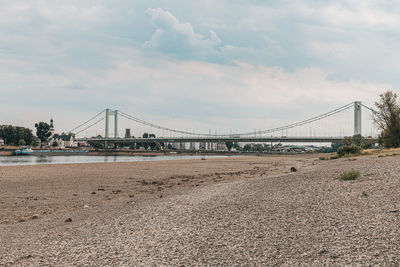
{"x": 364, "y": 194}
{"x": 322, "y": 158}
{"x": 350, "y": 175}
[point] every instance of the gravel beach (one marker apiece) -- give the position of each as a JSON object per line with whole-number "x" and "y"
{"x": 243, "y": 211}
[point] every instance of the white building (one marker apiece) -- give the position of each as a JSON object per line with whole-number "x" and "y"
{"x": 63, "y": 140}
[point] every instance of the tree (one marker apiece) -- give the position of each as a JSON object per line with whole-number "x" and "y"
{"x": 13, "y": 134}
{"x": 21, "y": 142}
{"x": 138, "y": 145}
{"x": 388, "y": 119}
{"x": 55, "y": 144}
{"x": 145, "y": 144}
{"x": 357, "y": 139}
{"x": 335, "y": 147}
{"x": 257, "y": 147}
{"x": 35, "y": 142}
{"x": 247, "y": 147}
{"x": 229, "y": 145}
{"x": 152, "y": 144}
{"x": 42, "y": 131}
{"x": 158, "y": 146}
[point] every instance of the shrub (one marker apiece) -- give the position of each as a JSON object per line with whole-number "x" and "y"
{"x": 364, "y": 194}
{"x": 349, "y": 150}
{"x": 350, "y": 175}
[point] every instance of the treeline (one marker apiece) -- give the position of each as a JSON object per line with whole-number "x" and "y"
{"x": 16, "y": 135}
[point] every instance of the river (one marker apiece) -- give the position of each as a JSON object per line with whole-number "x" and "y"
{"x": 35, "y": 160}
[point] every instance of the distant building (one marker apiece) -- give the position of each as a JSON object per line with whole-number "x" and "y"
{"x": 1, "y": 142}
{"x": 63, "y": 140}
{"x": 192, "y": 146}
{"x": 202, "y": 146}
{"x": 221, "y": 146}
{"x": 128, "y": 133}
{"x": 51, "y": 128}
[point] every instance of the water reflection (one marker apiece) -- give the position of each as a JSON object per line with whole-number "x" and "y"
{"x": 34, "y": 160}
{"x": 43, "y": 159}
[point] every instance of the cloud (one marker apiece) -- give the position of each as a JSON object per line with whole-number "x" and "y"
{"x": 177, "y": 38}
{"x": 223, "y": 64}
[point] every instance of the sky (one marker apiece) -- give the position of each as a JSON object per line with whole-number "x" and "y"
{"x": 194, "y": 65}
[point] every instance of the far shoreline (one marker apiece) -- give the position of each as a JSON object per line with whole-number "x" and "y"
{"x": 116, "y": 152}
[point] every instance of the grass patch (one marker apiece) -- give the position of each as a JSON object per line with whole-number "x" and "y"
{"x": 364, "y": 194}
{"x": 350, "y": 175}
{"x": 349, "y": 150}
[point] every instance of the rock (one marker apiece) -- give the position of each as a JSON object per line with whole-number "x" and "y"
{"x": 93, "y": 193}
{"x": 293, "y": 169}
{"x": 35, "y": 217}
{"x": 323, "y": 251}
{"x": 68, "y": 220}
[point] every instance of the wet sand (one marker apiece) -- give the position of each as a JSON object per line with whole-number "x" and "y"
{"x": 231, "y": 211}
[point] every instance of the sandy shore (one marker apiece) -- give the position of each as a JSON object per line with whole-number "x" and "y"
{"x": 231, "y": 211}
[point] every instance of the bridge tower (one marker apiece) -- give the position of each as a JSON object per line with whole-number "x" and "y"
{"x": 357, "y": 117}
{"x": 110, "y": 113}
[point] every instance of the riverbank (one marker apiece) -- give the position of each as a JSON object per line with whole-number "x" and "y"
{"x": 111, "y": 152}
{"x": 231, "y": 211}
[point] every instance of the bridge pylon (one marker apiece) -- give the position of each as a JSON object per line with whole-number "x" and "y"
{"x": 357, "y": 118}
{"x": 111, "y": 113}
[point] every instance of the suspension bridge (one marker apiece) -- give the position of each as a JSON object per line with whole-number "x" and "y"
{"x": 342, "y": 127}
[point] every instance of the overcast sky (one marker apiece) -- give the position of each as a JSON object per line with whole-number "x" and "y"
{"x": 194, "y": 64}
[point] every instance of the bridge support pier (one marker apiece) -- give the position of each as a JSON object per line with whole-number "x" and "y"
{"x": 357, "y": 118}
{"x": 110, "y": 113}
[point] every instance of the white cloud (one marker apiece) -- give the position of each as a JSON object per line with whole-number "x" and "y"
{"x": 176, "y": 37}
{"x": 277, "y": 61}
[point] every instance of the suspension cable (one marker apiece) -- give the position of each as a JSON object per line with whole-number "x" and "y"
{"x": 371, "y": 109}
{"x": 90, "y": 126}
{"x": 313, "y": 119}
{"x": 92, "y": 118}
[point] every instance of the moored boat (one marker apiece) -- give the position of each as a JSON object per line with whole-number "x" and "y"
{"x": 23, "y": 151}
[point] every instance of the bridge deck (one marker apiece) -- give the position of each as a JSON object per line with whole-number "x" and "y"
{"x": 218, "y": 139}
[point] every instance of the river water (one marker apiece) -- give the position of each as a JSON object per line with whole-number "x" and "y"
{"x": 35, "y": 160}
